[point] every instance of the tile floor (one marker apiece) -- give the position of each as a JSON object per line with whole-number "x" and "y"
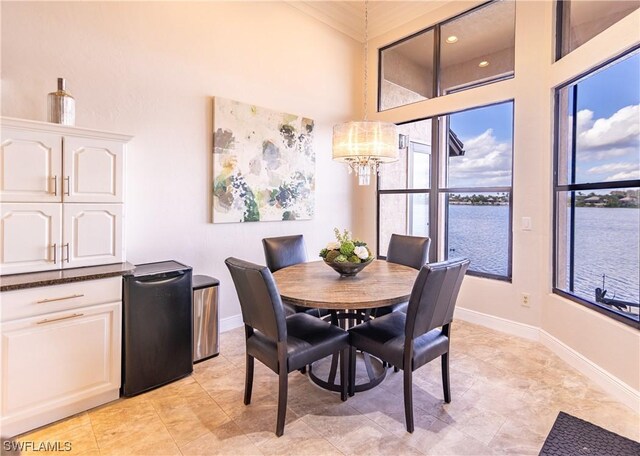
{"x": 506, "y": 394}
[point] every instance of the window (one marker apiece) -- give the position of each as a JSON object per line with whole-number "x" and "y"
{"x": 579, "y": 21}
{"x": 406, "y": 71}
{"x": 477, "y": 188}
{"x": 405, "y": 187}
{"x": 477, "y": 47}
{"x": 474, "y": 48}
{"x": 468, "y": 182}
{"x": 597, "y": 169}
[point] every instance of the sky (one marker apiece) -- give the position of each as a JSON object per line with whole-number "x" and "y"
{"x": 487, "y": 134}
{"x": 608, "y": 123}
{"x": 608, "y": 132}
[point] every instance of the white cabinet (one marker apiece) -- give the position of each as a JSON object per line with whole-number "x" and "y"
{"x": 31, "y": 166}
{"x": 92, "y": 234}
{"x": 45, "y": 236}
{"x": 93, "y": 171}
{"x": 62, "y": 194}
{"x": 63, "y": 356}
{"x": 31, "y": 237}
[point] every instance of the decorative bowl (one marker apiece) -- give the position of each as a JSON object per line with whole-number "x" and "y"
{"x": 349, "y": 269}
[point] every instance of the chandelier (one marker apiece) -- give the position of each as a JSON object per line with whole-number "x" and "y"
{"x": 365, "y": 144}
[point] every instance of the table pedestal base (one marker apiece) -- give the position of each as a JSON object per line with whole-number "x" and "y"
{"x": 374, "y": 369}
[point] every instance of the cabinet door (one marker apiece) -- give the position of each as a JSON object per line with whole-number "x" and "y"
{"x": 93, "y": 171}
{"x": 30, "y": 166}
{"x": 92, "y": 234}
{"x": 56, "y": 360}
{"x": 31, "y": 237}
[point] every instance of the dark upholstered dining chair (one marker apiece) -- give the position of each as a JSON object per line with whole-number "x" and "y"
{"x": 283, "y": 251}
{"x": 282, "y": 344}
{"x": 412, "y": 251}
{"x": 411, "y": 340}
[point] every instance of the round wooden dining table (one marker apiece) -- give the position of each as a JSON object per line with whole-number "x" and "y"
{"x": 316, "y": 285}
{"x": 349, "y": 299}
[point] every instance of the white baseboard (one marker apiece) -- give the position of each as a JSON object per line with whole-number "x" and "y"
{"x": 604, "y": 379}
{"x": 607, "y": 381}
{"x": 229, "y": 323}
{"x": 498, "y": 323}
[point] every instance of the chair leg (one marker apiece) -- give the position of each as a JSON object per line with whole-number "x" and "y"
{"x": 445, "y": 377}
{"x": 344, "y": 375}
{"x": 282, "y": 401}
{"x": 408, "y": 399}
{"x": 352, "y": 371}
{"x": 248, "y": 380}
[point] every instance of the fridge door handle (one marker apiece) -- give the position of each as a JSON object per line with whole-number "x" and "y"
{"x": 160, "y": 278}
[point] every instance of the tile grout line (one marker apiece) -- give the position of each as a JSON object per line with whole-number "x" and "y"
{"x": 165, "y": 427}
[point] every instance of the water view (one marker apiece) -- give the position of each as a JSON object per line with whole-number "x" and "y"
{"x": 607, "y": 243}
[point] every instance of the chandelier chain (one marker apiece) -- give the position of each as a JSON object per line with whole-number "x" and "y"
{"x": 366, "y": 55}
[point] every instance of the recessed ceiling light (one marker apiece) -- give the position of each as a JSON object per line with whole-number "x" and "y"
{"x": 483, "y": 64}
{"x": 452, "y": 39}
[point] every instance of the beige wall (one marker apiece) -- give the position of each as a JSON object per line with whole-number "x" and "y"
{"x": 598, "y": 339}
{"x": 151, "y": 70}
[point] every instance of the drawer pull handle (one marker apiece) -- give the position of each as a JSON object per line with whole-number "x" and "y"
{"x": 66, "y": 246}
{"x": 55, "y": 253}
{"x": 68, "y": 191}
{"x": 55, "y": 185}
{"x": 46, "y": 320}
{"x": 60, "y": 299}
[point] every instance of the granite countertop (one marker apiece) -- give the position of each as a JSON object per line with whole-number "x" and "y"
{"x": 57, "y": 277}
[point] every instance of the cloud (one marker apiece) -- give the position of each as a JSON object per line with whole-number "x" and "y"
{"x": 614, "y": 136}
{"x": 613, "y": 167}
{"x": 609, "y": 148}
{"x": 486, "y": 162}
{"x": 629, "y": 175}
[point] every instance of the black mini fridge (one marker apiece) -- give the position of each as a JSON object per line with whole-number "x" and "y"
{"x": 157, "y": 326}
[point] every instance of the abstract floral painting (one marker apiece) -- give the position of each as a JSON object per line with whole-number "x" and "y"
{"x": 263, "y": 164}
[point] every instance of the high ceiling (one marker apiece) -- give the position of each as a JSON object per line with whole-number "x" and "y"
{"x": 348, "y": 16}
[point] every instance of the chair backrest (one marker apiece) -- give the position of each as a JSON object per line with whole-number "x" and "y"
{"x": 434, "y": 296}
{"x": 412, "y": 251}
{"x": 283, "y": 251}
{"x": 259, "y": 298}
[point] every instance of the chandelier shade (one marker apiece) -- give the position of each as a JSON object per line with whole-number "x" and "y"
{"x": 364, "y": 145}
{"x": 365, "y": 140}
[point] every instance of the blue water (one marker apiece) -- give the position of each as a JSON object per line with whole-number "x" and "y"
{"x": 607, "y": 241}
{"x": 480, "y": 233}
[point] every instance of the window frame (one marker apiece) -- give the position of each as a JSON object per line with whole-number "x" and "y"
{"x": 439, "y": 193}
{"x": 575, "y": 187}
{"x": 561, "y": 27}
{"x": 436, "y": 83}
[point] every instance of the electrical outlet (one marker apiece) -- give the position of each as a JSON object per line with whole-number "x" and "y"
{"x": 525, "y": 300}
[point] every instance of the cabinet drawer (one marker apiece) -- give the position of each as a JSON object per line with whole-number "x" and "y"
{"x": 37, "y": 301}
{"x": 77, "y": 352}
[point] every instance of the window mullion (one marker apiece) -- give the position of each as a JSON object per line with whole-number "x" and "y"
{"x": 434, "y": 199}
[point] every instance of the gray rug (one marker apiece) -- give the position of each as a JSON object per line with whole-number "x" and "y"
{"x": 571, "y": 436}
